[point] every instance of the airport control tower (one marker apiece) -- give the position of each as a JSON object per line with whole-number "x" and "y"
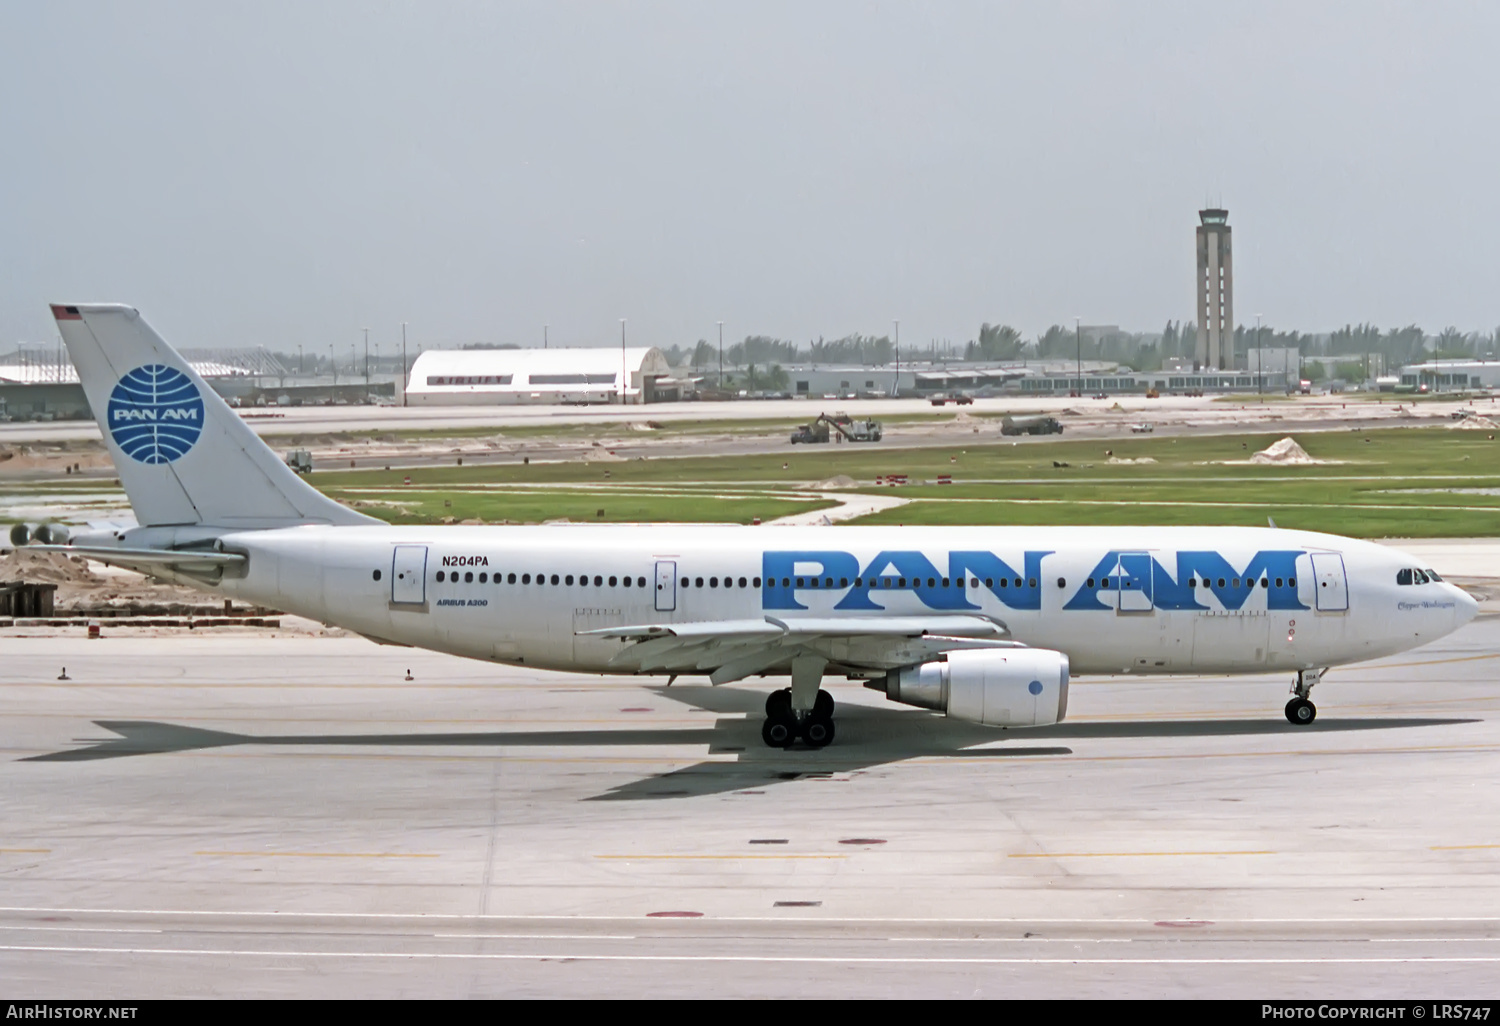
{"x": 1215, "y": 292}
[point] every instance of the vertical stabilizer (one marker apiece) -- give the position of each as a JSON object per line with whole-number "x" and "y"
{"x": 184, "y": 457}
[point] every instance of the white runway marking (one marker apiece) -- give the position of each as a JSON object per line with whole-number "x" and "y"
{"x": 80, "y": 929}
{"x": 474, "y": 917}
{"x": 795, "y": 959}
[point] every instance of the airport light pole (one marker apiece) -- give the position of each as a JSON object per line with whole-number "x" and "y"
{"x": 1078, "y": 333}
{"x": 1260, "y": 357}
{"x": 367, "y": 362}
{"x": 896, "y": 385}
{"x": 721, "y": 356}
{"x": 624, "y": 374}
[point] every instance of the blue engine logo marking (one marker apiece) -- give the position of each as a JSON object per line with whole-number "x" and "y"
{"x": 155, "y": 414}
{"x": 1035, "y": 687}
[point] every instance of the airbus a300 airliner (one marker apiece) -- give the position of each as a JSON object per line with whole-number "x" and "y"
{"x": 985, "y": 624}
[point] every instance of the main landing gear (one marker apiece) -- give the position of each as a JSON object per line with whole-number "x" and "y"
{"x": 783, "y": 727}
{"x": 803, "y": 710}
{"x": 1300, "y": 711}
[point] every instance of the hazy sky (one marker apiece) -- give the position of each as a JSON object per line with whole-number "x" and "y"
{"x": 285, "y": 173}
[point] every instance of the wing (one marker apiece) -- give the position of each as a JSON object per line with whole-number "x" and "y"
{"x": 730, "y": 650}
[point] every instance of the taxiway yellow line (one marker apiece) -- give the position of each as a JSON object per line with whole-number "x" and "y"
{"x": 1427, "y": 662}
{"x": 324, "y": 854}
{"x": 1123, "y": 854}
{"x": 633, "y": 858}
{"x": 25, "y": 851}
{"x": 1461, "y": 847}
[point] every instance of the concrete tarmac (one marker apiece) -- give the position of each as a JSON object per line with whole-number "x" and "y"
{"x": 239, "y": 814}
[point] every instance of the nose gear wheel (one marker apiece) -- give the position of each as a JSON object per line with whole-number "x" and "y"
{"x": 1301, "y": 712}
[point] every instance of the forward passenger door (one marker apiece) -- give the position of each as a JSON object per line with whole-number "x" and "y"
{"x": 1332, "y": 586}
{"x": 666, "y": 585}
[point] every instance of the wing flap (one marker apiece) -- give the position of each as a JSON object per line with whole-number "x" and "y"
{"x": 730, "y": 650}
{"x": 963, "y": 625}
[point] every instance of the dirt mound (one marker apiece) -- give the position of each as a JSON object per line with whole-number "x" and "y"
{"x": 1127, "y": 460}
{"x": 1284, "y": 453}
{"x": 47, "y": 568}
{"x": 832, "y": 483}
{"x": 1475, "y": 424}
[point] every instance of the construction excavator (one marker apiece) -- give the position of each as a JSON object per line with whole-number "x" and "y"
{"x": 840, "y": 426}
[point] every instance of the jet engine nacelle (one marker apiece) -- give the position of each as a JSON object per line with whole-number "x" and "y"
{"x": 1012, "y": 687}
{"x": 43, "y": 534}
{"x": 51, "y": 534}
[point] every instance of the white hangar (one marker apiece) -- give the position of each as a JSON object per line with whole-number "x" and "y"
{"x": 507, "y": 377}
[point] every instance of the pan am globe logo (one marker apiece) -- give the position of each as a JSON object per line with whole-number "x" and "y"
{"x": 155, "y": 414}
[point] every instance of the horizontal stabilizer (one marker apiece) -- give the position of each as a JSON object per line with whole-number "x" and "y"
{"x": 148, "y": 560}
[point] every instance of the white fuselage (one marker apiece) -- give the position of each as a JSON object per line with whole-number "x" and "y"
{"x": 1113, "y": 599}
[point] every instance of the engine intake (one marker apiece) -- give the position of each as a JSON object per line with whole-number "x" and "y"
{"x": 1013, "y": 687}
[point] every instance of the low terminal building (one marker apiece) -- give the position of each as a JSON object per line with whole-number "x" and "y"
{"x": 1053, "y": 377}
{"x": 1164, "y": 382}
{"x": 48, "y": 389}
{"x": 511, "y": 377}
{"x": 1451, "y": 375}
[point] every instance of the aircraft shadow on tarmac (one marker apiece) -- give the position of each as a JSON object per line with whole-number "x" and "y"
{"x": 868, "y": 736}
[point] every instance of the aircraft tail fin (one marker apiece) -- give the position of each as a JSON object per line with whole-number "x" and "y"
{"x": 183, "y": 456}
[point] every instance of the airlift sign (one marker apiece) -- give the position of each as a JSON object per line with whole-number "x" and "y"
{"x": 155, "y": 414}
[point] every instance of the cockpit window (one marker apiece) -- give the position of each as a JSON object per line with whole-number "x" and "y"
{"x": 1403, "y": 576}
{"x": 1418, "y": 577}
{"x": 1432, "y": 575}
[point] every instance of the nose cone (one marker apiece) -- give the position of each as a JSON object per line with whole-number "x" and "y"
{"x": 1465, "y": 607}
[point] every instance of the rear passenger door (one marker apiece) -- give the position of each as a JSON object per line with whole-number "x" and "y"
{"x": 409, "y": 576}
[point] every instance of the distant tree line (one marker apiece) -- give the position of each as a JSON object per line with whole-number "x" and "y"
{"x": 764, "y": 356}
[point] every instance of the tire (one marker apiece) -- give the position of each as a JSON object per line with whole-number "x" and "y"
{"x": 779, "y": 703}
{"x": 779, "y": 731}
{"x": 1300, "y": 712}
{"x": 817, "y": 731}
{"x": 823, "y": 706}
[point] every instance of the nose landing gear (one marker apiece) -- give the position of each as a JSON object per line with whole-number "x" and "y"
{"x": 1300, "y": 711}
